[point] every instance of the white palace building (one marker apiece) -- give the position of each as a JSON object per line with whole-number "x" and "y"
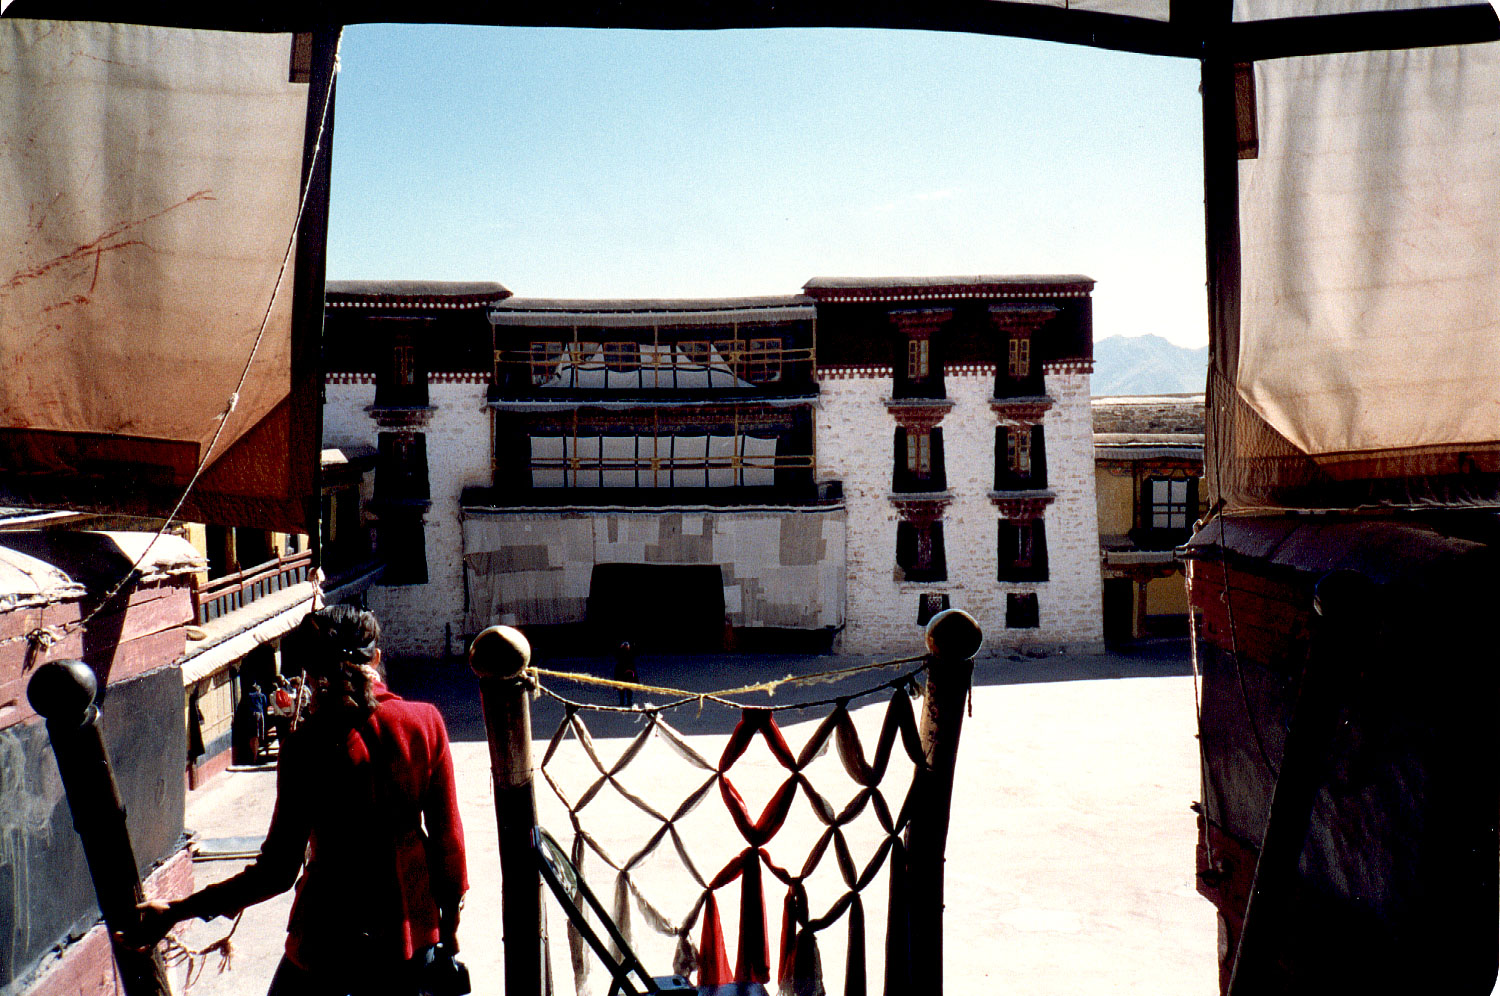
{"x": 821, "y": 471}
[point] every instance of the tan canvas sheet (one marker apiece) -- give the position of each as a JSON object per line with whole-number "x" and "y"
{"x": 149, "y": 182}
{"x": 1369, "y": 344}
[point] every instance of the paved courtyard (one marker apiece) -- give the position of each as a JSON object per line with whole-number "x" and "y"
{"x": 1070, "y": 858}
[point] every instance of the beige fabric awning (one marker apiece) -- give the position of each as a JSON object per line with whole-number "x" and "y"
{"x": 149, "y": 189}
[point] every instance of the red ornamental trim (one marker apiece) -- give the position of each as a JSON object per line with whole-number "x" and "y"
{"x": 379, "y": 305}
{"x": 1029, "y": 507}
{"x": 1016, "y": 410}
{"x": 355, "y": 377}
{"x": 919, "y": 417}
{"x": 854, "y": 373}
{"x": 1068, "y": 367}
{"x": 919, "y": 511}
{"x": 459, "y": 377}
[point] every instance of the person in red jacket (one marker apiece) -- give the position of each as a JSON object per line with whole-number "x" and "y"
{"x": 365, "y": 791}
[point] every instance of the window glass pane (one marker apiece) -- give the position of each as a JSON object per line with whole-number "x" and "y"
{"x": 765, "y": 361}
{"x": 622, "y": 357}
{"x": 545, "y": 357}
{"x": 587, "y": 362}
{"x": 727, "y": 355}
{"x": 917, "y": 362}
{"x": 919, "y": 454}
{"x": 403, "y": 358}
{"x": 1019, "y": 360}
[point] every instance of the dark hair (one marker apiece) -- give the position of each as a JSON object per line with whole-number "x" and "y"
{"x": 335, "y": 641}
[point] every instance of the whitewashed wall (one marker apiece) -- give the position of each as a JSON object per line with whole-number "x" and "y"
{"x": 855, "y": 445}
{"x": 416, "y": 619}
{"x": 781, "y": 568}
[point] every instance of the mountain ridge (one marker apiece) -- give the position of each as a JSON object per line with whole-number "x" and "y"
{"x": 1147, "y": 364}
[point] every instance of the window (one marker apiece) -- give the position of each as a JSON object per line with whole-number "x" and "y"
{"x": 765, "y": 361}
{"x": 672, "y": 460}
{"x": 1022, "y": 611}
{"x": 1018, "y": 364}
{"x": 1022, "y": 551}
{"x": 622, "y": 357}
{"x": 400, "y": 382}
{"x": 730, "y": 355}
{"x": 919, "y": 461}
{"x": 918, "y": 359}
{"x": 1020, "y": 458}
{"x": 919, "y": 551}
{"x": 583, "y": 355}
{"x": 694, "y": 352}
{"x": 401, "y": 467}
{"x": 1168, "y": 504}
{"x": 403, "y": 363}
{"x": 930, "y": 604}
{"x": 1018, "y": 453}
{"x": 919, "y": 455}
{"x": 402, "y": 543}
{"x": 545, "y": 356}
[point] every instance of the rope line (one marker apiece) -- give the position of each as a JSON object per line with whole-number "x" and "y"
{"x": 686, "y": 697}
{"x": 59, "y": 633}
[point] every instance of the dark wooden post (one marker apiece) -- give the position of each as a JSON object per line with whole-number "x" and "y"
{"x": 63, "y": 693}
{"x": 953, "y": 637}
{"x": 500, "y": 656}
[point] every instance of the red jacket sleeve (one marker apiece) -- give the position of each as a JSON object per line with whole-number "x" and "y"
{"x": 275, "y": 869}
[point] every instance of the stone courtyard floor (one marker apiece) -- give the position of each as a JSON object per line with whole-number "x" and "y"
{"x": 1070, "y": 855}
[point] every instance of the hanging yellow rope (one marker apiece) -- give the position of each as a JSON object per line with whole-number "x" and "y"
{"x": 769, "y": 687}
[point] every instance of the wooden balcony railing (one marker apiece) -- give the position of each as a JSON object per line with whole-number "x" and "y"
{"x": 221, "y": 596}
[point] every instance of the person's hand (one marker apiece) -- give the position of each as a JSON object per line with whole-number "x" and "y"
{"x": 448, "y": 923}
{"x": 156, "y": 918}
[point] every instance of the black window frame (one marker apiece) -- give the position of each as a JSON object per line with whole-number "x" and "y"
{"x": 903, "y": 479}
{"x": 1023, "y": 610}
{"x": 1007, "y": 479}
{"x": 1021, "y": 550}
{"x": 908, "y": 551}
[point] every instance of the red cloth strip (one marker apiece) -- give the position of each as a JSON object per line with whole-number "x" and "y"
{"x": 752, "y": 961}
{"x": 713, "y": 959}
{"x": 771, "y": 818}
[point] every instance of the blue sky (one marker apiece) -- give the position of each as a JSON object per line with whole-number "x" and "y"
{"x": 586, "y": 163}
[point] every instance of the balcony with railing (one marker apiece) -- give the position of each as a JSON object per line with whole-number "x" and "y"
{"x": 216, "y": 598}
{"x": 686, "y": 369}
{"x": 679, "y": 350}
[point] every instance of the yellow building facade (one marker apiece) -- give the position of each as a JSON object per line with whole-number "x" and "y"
{"x": 1148, "y": 463}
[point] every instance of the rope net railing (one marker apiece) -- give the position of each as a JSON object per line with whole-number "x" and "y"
{"x": 674, "y": 864}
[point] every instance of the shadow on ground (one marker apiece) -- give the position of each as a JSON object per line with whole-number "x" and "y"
{"x": 453, "y": 688}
